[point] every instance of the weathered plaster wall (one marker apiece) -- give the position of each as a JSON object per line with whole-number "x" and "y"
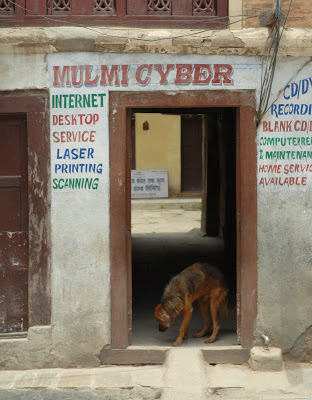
{"x": 284, "y": 212}
{"x": 23, "y": 71}
{"x": 235, "y": 12}
{"x": 247, "y": 42}
{"x": 159, "y": 147}
{"x": 80, "y": 277}
{"x": 80, "y": 220}
{"x": 300, "y": 15}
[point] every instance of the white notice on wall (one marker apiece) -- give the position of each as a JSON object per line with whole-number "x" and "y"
{"x": 149, "y": 183}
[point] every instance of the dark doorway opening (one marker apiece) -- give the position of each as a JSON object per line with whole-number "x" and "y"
{"x": 25, "y": 207}
{"x": 191, "y": 152}
{"x": 13, "y": 223}
{"x": 159, "y": 254}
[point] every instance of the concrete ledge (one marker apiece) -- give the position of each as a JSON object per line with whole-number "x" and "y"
{"x": 35, "y": 40}
{"x": 26, "y": 352}
{"x": 266, "y": 360}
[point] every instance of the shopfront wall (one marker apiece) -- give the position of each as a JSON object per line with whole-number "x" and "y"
{"x": 80, "y": 85}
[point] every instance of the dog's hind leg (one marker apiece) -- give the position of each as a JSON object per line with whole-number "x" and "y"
{"x": 217, "y": 297}
{"x": 203, "y": 305}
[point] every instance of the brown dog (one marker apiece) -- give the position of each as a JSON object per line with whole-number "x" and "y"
{"x": 200, "y": 282}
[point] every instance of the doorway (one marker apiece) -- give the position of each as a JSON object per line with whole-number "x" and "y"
{"x": 170, "y": 234}
{"x": 13, "y": 223}
{"x": 245, "y": 182}
{"x": 25, "y": 213}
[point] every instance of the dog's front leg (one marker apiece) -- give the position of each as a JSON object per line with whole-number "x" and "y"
{"x": 187, "y": 315}
{"x": 186, "y": 334}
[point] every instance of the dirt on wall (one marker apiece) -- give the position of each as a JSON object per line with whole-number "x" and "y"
{"x": 301, "y": 351}
{"x": 300, "y": 15}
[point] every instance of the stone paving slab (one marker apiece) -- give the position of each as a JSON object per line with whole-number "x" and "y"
{"x": 184, "y": 376}
{"x": 293, "y": 382}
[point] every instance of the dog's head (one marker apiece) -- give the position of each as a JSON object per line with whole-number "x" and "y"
{"x": 162, "y": 318}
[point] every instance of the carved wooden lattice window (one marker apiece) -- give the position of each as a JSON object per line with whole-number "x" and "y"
{"x": 147, "y": 13}
{"x": 6, "y": 7}
{"x": 104, "y": 6}
{"x": 203, "y": 6}
{"x": 59, "y": 5}
{"x": 159, "y": 6}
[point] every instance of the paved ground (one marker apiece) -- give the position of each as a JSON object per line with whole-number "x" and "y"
{"x": 165, "y": 216}
{"x": 185, "y": 375}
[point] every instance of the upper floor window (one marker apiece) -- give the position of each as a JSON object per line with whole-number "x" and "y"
{"x": 6, "y": 8}
{"x": 139, "y": 13}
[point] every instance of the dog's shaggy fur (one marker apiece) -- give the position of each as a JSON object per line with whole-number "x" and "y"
{"x": 201, "y": 282}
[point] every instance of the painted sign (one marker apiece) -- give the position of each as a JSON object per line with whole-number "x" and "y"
{"x": 76, "y": 128}
{"x": 149, "y": 184}
{"x": 144, "y": 74}
{"x": 285, "y": 141}
{"x": 79, "y": 96}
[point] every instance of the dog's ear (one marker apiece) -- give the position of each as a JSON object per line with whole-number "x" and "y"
{"x": 158, "y": 312}
{"x": 158, "y": 308}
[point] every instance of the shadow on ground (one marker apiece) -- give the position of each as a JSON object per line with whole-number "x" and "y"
{"x": 156, "y": 257}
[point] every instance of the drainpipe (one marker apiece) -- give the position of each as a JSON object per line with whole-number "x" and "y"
{"x": 266, "y": 342}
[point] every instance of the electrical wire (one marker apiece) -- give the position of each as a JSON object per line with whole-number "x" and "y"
{"x": 269, "y": 57}
{"x": 198, "y": 20}
{"x": 194, "y": 33}
{"x": 267, "y": 75}
{"x": 267, "y": 72}
{"x": 142, "y": 39}
{"x": 161, "y": 38}
{"x": 4, "y": 24}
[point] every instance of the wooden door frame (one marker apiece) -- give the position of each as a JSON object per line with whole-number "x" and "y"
{"x": 120, "y": 105}
{"x": 35, "y": 105}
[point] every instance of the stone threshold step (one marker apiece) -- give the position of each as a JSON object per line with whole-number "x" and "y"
{"x": 157, "y": 354}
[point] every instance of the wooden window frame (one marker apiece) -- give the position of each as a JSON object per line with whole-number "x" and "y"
{"x": 121, "y": 104}
{"x": 26, "y": 14}
{"x": 35, "y": 106}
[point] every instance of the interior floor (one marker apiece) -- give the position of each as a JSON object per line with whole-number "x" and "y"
{"x": 155, "y": 259}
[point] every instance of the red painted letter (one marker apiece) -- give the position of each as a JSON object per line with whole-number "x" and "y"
{"x": 224, "y": 70}
{"x": 138, "y": 74}
{"x": 184, "y": 74}
{"x": 74, "y": 75}
{"x": 202, "y": 74}
{"x": 88, "y": 82}
{"x": 59, "y": 79}
{"x": 109, "y": 75}
{"x": 163, "y": 74}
